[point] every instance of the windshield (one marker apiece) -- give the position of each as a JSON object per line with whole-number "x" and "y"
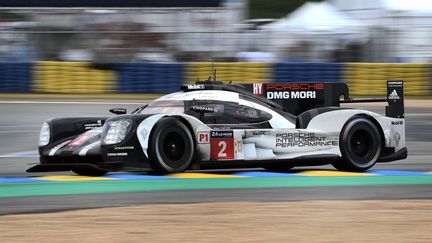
{"x": 164, "y": 106}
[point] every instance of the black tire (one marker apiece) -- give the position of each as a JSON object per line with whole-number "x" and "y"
{"x": 278, "y": 168}
{"x": 171, "y": 146}
{"x": 360, "y": 143}
{"x": 90, "y": 172}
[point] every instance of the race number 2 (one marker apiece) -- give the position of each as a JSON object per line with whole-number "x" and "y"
{"x": 222, "y": 145}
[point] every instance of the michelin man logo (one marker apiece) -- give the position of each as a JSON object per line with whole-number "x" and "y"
{"x": 396, "y": 138}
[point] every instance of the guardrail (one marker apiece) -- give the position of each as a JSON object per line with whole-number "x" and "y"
{"x": 366, "y": 79}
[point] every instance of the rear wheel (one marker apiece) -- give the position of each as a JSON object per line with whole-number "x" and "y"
{"x": 171, "y": 146}
{"x": 90, "y": 172}
{"x": 360, "y": 145}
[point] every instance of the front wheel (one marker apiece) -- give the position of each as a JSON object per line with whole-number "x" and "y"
{"x": 171, "y": 146}
{"x": 360, "y": 145}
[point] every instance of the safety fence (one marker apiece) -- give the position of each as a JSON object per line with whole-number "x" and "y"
{"x": 16, "y": 76}
{"x": 146, "y": 77}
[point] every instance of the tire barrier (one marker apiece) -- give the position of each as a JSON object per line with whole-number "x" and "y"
{"x": 368, "y": 79}
{"x": 237, "y": 72}
{"x": 149, "y": 77}
{"x": 15, "y": 77}
{"x": 365, "y": 79}
{"x": 307, "y": 72}
{"x": 72, "y": 78}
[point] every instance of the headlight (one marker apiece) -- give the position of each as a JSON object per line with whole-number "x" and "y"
{"x": 116, "y": 131}
{"x": 44, "y": 135}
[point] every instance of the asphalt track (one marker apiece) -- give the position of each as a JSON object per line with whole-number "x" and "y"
{"x": 22, "y": 192}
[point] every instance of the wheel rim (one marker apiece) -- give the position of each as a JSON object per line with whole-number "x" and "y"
{"x": 174, "y": 146}
{"x": 361, "y": 143}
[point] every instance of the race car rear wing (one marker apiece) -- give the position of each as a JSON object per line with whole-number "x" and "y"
{"x": 296, "y": 98}
{"x": 395, "y": 99}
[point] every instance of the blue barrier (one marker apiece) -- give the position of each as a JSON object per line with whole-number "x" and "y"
{"x": 143, "y": 77}
{"x": 15, "y": 77}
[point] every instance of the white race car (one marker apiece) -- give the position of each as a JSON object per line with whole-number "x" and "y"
{"x": 214, "y": 125}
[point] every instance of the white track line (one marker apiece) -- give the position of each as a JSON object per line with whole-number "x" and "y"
{"x": 18, "y": 126}
{"x": 23, "y": 154}
{"x": 418, "y": 114}
{"x": 19, "y": 131}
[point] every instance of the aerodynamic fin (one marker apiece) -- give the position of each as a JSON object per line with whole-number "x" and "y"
{"x": 395, "y": 99}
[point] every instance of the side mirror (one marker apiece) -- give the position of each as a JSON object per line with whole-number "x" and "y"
{"x": 118, "y": 111}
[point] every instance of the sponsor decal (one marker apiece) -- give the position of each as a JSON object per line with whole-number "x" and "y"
{"x": 195, "y": 86}
{"x": 393, "y": 95}
{"x": 222, "y": 134}
{"x": 397, "y": 138}
{"x": 124, "y": 148}
{"x": 203, "y": 137}
{"x": 258, "y": 89}
{"x": 199, "y": 108}
{"x": 288, "y": 90}
{"x": 295, "y": 87}
{"x": 302, "y": 140}
{"x": 397, "y": 83}
{"x": 260, "y": 133}
{"x": 218, "y": 127}
{"x": 397, "y": 122}
{"x": 222, "y": 145}
{"x": 93, "y": 125}
{"x": 116, "y": 154}
{"x": 291, "y": 95}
